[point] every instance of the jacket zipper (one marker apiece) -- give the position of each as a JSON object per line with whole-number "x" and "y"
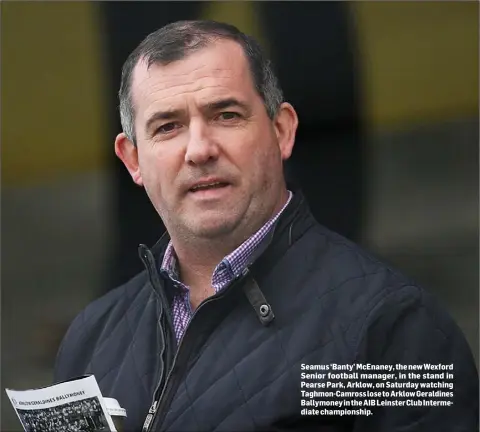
{"x": 159, "y": 405}
{"x": 153, "y": 409}
{"x": 154, "y": 279}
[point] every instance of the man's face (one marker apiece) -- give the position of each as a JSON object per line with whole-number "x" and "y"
{"x": 207, "y": 153}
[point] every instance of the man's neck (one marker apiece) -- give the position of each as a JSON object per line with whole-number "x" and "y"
{"x": 196, "y": 262}
{"x": 196, "y": 272}
{"x": 199, "y": 281}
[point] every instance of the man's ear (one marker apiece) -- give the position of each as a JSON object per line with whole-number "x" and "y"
{"x": 285, "y": 124}
{"x": 127, "y": 152}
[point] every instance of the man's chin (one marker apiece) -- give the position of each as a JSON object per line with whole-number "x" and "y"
{"x": 212, "y": 229}
{"x": 213, "y": 232}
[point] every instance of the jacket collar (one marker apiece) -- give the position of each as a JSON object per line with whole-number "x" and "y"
{"x": 291, "y": 225}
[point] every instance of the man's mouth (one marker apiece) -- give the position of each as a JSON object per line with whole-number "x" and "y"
{"x": 206, "y": 186}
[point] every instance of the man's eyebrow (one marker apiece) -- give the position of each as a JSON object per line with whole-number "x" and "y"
{"x": 162, "y": 115}
{"x": 225, "y": 103}
{"x": 210, "y": 106}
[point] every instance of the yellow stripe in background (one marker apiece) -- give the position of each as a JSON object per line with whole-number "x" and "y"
{"x": 53, "y": 96}
{"x": 241, "y": 14}
{"x": 419, "y": 61}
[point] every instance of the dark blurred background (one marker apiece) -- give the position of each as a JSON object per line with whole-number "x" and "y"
{"x": 386, "y": 153}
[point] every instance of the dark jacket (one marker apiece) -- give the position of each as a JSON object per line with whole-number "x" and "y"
{"x": 309, "y": 297}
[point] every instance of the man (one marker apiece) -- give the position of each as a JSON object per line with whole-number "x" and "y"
{"x": 246, "y": 287}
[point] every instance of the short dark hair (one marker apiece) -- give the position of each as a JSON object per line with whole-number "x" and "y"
{"x": 175, "y": 41}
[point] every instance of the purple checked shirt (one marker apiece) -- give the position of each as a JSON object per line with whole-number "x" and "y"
{"x": 228, "y": 269}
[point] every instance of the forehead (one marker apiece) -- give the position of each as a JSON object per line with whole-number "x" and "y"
{"x": 218, "y": 70}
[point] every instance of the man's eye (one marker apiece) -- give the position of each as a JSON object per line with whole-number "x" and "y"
{"x": 166, "y": 128}
{"x": 228, "y": 115}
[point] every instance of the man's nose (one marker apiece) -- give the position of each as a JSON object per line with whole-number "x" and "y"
{"x": 201, "y": 147}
